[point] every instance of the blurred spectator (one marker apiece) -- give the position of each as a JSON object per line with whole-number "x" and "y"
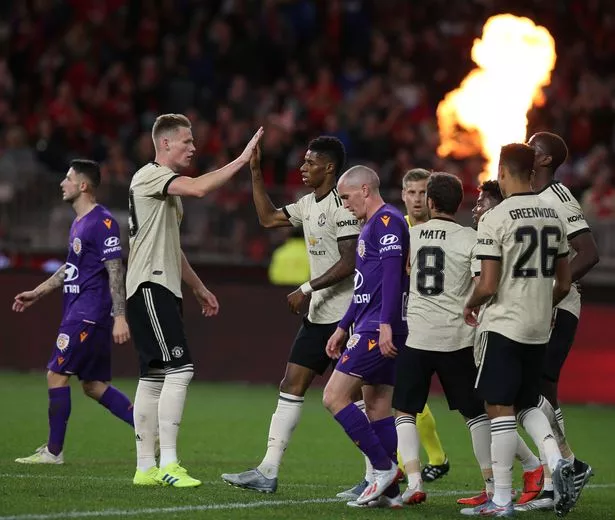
{"x": 89, "y": 78}
{"x": 289, "y": 262}
{"x": 599, "y": 200}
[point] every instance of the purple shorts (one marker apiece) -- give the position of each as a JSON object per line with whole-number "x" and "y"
{"x": 362, "y": 359}
{"x": 83, "y": 349}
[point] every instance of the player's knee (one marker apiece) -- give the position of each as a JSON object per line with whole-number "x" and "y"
{"x": 55, "y": 380}
{"x": 293, "y": 386}
{"x": 94, "y": 389}
{"x": 328, "y": 399}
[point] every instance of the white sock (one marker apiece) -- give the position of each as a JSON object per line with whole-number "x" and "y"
{"x": 283, "y": 421}
{"x": 536, "y": 424}
{"x": 409, "y": 445}
{"x": 503, "y": 447}
{"x": 480, "y": 431}
{"x": 170, "y": 410}
{"x": 369, "y": 469}
{"x": 548, "y": 484}
{"x": 559, "y": 417}
{"x": 146, "y": 418}
{"x": 528, "y": 460}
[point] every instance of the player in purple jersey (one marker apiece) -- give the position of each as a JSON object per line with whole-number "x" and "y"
{"x": 378, "y": 313}
{"x": 94, "y": 310}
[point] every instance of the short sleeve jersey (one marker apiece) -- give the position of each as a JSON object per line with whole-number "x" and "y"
{"x": 442, "y": 265}
{"x": 527, "y": 236}
{"x": 559, "y": 197}
{"x": 325, "y": 222}
{"x": 384, "y": 235}
{"x": 94, "y": 239}
{"x": 154, "y": 220}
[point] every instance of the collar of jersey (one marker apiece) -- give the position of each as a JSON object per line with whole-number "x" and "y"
{"x": 318, "y": 199}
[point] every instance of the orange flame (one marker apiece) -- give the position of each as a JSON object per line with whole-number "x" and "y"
{"x": 515, "y": 58}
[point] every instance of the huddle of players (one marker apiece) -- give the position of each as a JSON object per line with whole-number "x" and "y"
{"x": 519, "y": 252}
{"x": 518, "y": 255}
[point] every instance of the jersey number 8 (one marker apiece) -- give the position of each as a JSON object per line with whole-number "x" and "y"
{"x": 431, "y": 269}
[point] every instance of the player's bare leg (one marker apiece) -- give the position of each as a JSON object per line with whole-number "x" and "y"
{"x": 264, "y": 478}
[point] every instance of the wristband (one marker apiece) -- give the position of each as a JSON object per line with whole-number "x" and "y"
{"x": 306, "y": 288}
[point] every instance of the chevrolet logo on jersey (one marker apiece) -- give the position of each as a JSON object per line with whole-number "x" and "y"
{"x": 385, "y": 219}
{"x": 314, "y": 241}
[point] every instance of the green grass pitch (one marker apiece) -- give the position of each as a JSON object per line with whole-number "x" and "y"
{"x": 224, "y": 430}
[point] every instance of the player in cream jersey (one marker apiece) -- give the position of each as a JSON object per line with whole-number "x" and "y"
{"x": 153, "y": 224}
{"x": 331, "y": 236}
{"x": 156, "y": 268}
{"x": 522, "y": 247}
{"x": 325, "y": 222}
{"x": 442, "y": 265}
{"x": 551, "y": 151}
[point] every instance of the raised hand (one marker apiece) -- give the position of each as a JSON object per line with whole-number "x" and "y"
{"x": 247, "y": 152}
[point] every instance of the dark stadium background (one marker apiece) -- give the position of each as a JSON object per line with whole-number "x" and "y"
{"x": 86, "y": 78}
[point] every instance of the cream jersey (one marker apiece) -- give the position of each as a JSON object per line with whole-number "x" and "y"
{"x": 154, "y": 219}
{"x": 325, "y": 222}
{"x": 556, "y": 195}
{"x": 527, "y": 236}
{"x": 442, "y": 265}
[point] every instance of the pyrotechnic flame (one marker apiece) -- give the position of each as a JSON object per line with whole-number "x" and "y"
{"x": 515, "y": 58}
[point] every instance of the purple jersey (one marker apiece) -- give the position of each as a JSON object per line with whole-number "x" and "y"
{"x": 94, "y": 239}
{"x": 384, "y": 235}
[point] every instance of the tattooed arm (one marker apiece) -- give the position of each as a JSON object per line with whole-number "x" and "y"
{"x": 117, "y": 288}
{"x": 25, "y": 299}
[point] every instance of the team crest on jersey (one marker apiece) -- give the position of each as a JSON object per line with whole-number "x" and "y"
{"x": 352, "y": 341}
{"x": 62, "y": 342}
{"x": 322, "y": 219}
{"x": 385, "y": 219}
{"x": 361, "y": 248}
{"x": 77, "y": 245}
{"x": 177, "y": 352}
{"x": 107, "y": 222}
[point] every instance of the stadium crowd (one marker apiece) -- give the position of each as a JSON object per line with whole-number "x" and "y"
{"x": 87, "y": 79}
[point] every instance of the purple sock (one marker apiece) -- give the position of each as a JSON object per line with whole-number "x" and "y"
{"x": 59, "y": 412}
{"x": 386, "y": 432}
{"x": 358, "y": 428}
{"x": 118, "y": 404}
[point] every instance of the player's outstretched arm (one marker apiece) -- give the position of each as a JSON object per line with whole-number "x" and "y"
{"x": 586, "y": 257}
{"x": 340, "y": 270}
{"x": 208, "y": 182}
{"x": 117, "y": 288}
{"x": 268, "y": 215}
{"x": 27, "y": 298}
{"x": 207, "y": 300}
{"x": 563, "y": 280}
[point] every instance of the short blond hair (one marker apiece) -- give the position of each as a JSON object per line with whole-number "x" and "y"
{"x": 169, "y": 122}
{"x": 414, "y": 175}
